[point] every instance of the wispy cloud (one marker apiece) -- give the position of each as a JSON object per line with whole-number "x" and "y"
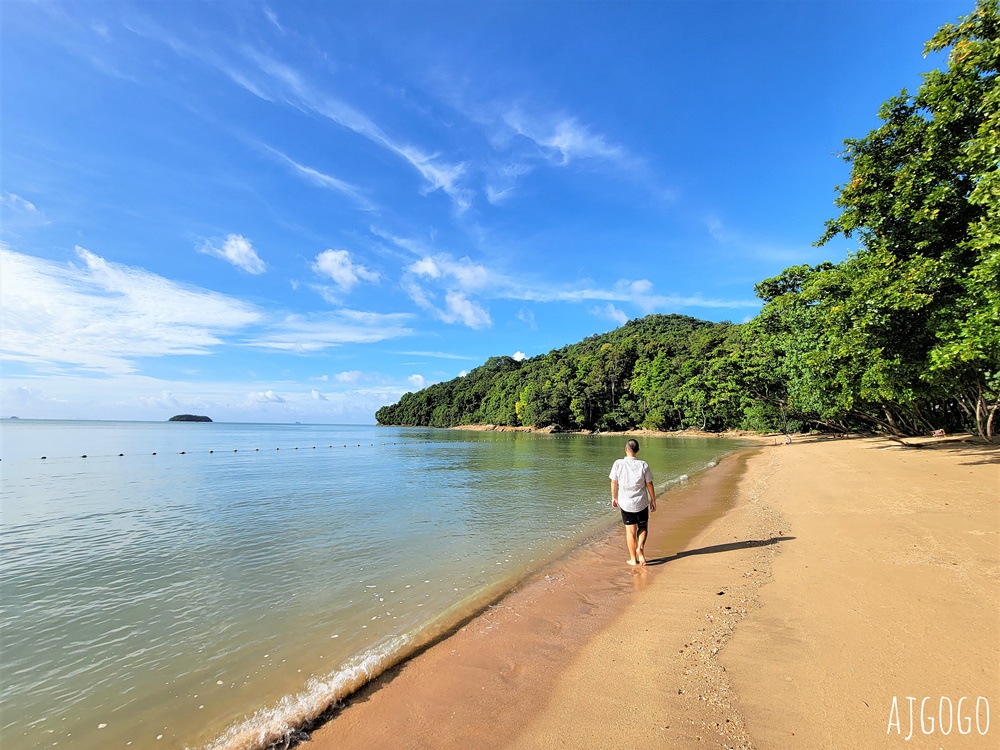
{"x": 502, "y": 181}
{"x": 100, "y": 316}
{"x": 734, "y": 240}
{"x": 337, "y": 265}
{"x": 437, "y": 355}
{"x": 410, "y": 245}
{"x": 610, "y": 312}
{"x": 639, "y": 293}
{"x": 304, "y": 334}
{"x": 18, "y": 214}
{"x": 237, "y": 250}
{"x": 14, "y": 202}
{"x": 527, "y": 317}
{"x": 562, "y": 139}
{"x": 321, "y": 179}
{"x": 273, "y": 18}
{"x": 277, "y": 82}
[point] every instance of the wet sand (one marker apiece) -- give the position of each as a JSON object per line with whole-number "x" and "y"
{"x": 791, "y": 592}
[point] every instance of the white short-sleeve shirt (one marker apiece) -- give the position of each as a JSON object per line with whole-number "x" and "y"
{"x": 631, "y": 475}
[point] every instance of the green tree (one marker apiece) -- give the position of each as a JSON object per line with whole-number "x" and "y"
{"x": 915, "y": 318}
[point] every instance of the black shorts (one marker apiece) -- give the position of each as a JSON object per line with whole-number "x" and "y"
{"x": 632, "y": 519}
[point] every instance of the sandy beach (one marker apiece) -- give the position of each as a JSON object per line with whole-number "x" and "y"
{"x": 814, "y": 595}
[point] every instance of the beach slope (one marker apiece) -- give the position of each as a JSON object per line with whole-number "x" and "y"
{"x": 816, "y": 583}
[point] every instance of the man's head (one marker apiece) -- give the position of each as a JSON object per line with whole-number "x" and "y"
{"x": 632, "y": 447}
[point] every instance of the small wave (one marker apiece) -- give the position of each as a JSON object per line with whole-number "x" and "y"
{"x": 293, "y": 714}
{"x": 278, "y": 723}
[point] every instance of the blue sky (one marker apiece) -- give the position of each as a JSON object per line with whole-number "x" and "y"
{"x": 298, "y": 211}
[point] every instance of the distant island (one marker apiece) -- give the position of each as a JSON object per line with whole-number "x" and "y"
{"x": 189, "y": 418}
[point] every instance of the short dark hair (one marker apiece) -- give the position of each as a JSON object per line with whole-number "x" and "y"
{"x": 633, "y": 445}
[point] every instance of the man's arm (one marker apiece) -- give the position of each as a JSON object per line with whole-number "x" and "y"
{"x": 652, "y": 496}
{"x": 614, "y": 493}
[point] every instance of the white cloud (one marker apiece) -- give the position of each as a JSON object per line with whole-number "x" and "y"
{"x": 349, "y": 376}
{"x": 265, "y": 397}
{"x": 418, "y": 381}
{"x": 426, "y": 267}
{"x": 463, "y": 373}
{"x": 317, "y": 396}
{"x": 337, "y": 265}
{"x": 611, "y": 312}
{"x": 236, "y": 250}
{"x": 464, "y": 310}
{"x": 102, "y": 315}
{"x": 467, "y": 274}
{"x": 518, "y": 356}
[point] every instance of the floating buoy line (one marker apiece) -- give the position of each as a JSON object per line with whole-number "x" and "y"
{"x": 226, "y": 451}
{"x": 551, "y": 436}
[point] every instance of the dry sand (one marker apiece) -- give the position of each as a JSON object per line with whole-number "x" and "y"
{"x": 785, "y": 605}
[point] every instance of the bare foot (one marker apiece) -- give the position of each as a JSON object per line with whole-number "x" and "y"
{"x": 633, "y": 563}
{"x": 642, "y": 558}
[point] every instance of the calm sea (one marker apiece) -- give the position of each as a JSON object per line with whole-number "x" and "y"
{"x": 206, "y": 585}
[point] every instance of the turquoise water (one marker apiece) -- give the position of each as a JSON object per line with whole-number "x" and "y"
{"x": 244, "y": 576}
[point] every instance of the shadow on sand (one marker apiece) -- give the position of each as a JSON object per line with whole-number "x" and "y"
{"x": 728, "y": 547}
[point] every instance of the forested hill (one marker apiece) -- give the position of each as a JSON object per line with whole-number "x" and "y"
{"x": 902, "y": 336}
{"x": 658, "y": 372}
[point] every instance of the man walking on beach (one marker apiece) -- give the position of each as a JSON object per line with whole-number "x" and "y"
{"x": 633, "y": 493}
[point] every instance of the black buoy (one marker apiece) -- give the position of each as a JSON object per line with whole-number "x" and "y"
{"x": 84, "y": 455}
{"x": 154, "y": 453}
{"x": 181, "y": 453}
{"x": 120, "y": 455}
{"x": 44, "y": 457}
{"x": 211, "y": 451}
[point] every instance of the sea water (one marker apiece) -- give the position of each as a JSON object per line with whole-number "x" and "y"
{"x": 211, "y": 585}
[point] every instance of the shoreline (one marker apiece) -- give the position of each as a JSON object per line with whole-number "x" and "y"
{"x": 834, "y": 575}
{"x": 497, "y": 667}
{"x": 691, "y": 432}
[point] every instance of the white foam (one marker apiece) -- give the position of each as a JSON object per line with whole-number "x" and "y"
{"x": 276, "y": 723}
